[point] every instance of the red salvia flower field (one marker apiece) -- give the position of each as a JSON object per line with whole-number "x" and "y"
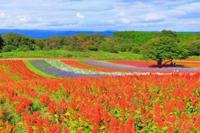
{"x": 122, "y": 104}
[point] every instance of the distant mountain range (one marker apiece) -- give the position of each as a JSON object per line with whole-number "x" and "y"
{"x": 49, "y": 33}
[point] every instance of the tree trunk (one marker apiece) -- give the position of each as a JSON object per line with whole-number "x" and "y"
{"x": 159, "y": 62}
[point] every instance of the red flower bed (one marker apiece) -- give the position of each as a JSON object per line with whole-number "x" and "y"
{"x": 19, "y": 68}
{"x": 109, "y": 104}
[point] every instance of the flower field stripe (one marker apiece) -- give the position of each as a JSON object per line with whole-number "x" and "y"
{"x": 134, "y": 68}
{"x": 118, "y": 66}
{"x": 59, "y": 65}
{"x": 57, "y": 68}
{"x": 81, "y": 65}
{"x": 185, "y": 63}
{"x": 136, "y": 63}
{"x": 18, "y": 67}
{"x": 37, "y": 71}
{"x": 109, "y": 65}
{"x": 44, "y": 66}
{"x": 189, "y": 63}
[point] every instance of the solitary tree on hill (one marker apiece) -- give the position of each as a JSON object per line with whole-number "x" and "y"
{"x": 164, "y": 47}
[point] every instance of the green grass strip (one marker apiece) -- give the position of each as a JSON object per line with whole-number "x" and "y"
{"x": 37, "y": 71}
{"x": 98, "y": 55}
{"x": 195, "y": 57}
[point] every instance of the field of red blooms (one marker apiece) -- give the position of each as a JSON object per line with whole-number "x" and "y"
{"x": 112, "y": 104}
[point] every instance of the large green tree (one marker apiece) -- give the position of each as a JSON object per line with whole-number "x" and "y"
{"x": 167, "y": 33}
{"x": 164, "y": 48}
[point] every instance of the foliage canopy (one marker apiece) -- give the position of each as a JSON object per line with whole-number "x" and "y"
{"x": 164, "y": 48}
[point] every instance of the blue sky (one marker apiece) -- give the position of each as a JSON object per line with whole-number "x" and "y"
{"x": 101, "y": 15}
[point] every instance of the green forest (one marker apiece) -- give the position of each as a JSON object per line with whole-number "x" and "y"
{"x": 128, "y": 41}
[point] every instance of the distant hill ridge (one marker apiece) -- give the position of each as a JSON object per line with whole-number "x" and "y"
{"x": 50, "y": 33}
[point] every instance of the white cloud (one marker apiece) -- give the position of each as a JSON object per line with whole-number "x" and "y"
{"x": 125, "y": 21}
{"x": 152, "y": 17}
{"x": 79, "y": 15}
{"x": 2, "y": 15}
{"x": 22, "y": 19}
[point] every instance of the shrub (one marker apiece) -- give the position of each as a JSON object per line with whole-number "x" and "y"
{"x": 24, "y": 48}
{"x": 9, "y": 48}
